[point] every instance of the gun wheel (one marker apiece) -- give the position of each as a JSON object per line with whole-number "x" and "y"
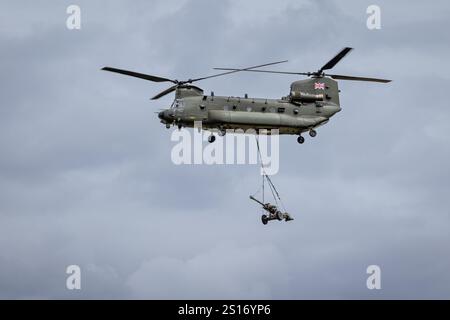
{"x": 264, "y": 219}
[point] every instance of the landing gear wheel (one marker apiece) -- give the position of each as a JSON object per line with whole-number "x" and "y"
{"x": 264, "y": 219}
{"x": 300, "y": 139}
{"x": 211, "y": 139}
{"x": 180, "y": 127}
{"x": 279, "y": 216}
{"x": 222, "y": 133}
{"x": 167, "y": 126}
{"x": 312, "y": 133}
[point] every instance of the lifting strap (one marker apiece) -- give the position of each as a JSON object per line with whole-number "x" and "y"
{"x": 265, "y": 177}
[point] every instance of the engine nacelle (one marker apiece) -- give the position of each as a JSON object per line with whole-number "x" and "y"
{"x": 306, "y": 97}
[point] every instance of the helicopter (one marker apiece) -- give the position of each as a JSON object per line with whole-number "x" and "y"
{"x": 310, "y": 104}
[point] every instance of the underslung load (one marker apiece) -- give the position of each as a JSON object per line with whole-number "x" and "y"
{"x": 271, "y": 211}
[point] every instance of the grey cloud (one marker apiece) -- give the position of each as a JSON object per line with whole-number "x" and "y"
{"x": 86, "y": 176}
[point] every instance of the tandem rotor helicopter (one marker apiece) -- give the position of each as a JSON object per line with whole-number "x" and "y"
{"x": 310, "y": 104}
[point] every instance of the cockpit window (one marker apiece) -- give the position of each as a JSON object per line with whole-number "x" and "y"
{"x": 179, "y": 104}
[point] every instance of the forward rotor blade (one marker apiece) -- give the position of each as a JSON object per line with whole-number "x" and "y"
{"x": 139, "y": 75}
{"x": 163, "y": 93}
{"x": 330, "y": 64}
{"x": 342, "y": 77}
{"x": 266, "y": 71}
{"x": 236, "y": 70}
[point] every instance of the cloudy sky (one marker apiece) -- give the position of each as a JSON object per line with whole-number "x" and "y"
{"x": 86, "y": 176}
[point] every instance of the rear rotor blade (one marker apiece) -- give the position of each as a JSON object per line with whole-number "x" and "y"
{"x": 139, "y": 75}
{"x": 163, "y": 93}
{"x": 330, "y": 64}
{"x": 266, "y": 71}
{"x": 235, "y": 70}
{"x": 342, "y": 77}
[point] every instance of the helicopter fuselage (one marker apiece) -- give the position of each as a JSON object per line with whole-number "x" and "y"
{"x": 310, "y": 103}
{"x": 288, "y": 115}
{"x": 218, "y": 112}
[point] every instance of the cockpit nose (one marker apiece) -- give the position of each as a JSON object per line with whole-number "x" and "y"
{"x": 166, "y": 116}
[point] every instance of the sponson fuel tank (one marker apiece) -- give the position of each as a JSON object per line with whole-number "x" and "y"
{"x": 263, "y": 119}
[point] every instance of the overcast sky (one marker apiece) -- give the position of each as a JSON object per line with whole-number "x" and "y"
{"x": 86, "y": 176}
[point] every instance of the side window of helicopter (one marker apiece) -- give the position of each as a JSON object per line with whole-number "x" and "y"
{"x": 179, "y": 104}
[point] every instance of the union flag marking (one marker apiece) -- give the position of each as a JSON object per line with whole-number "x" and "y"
{"x": 320, "y": 86}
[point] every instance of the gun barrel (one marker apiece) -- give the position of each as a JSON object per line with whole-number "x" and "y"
{"x": 256, "y": 200}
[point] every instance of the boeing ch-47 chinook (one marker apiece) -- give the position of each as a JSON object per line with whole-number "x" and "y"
{"x": 310, "y": 104}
